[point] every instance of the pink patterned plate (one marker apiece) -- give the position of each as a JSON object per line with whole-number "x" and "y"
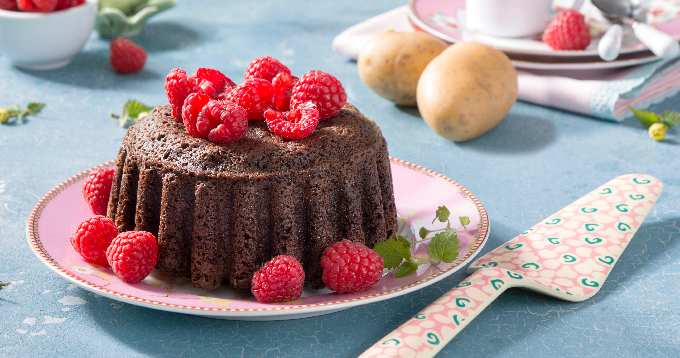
{"x": 418, "y": 192}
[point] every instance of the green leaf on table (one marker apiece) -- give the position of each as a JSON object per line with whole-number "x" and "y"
{"x": 406, "y": 269}
{"x": 645, "y": 117}
{"x": 34, "y": 108}
{"x": 132, "y": 109}
{"x": 444, "y": 246}
{"x": 670, "y": 118}
{"x": 393, "y": 252}
{"x": 442, "y": 214}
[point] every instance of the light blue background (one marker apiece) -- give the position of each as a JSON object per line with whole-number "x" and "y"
{"x": 535, "y": 162}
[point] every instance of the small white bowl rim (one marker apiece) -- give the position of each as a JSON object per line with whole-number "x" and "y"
{"x": 39, "y": 15}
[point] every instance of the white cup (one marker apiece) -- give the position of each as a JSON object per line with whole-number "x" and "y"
{"x": 510, "y": 18}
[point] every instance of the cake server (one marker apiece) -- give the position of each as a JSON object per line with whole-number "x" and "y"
{"x": 568, "y": 255}
{"x": 623, "y": 11}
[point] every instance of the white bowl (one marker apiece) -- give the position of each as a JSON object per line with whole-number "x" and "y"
{"x": 45, "y": 41}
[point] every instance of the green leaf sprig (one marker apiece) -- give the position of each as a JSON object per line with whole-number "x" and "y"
{"x": 15, "y": 113}
{"x": 657, "y": 124}
{"x": 132, "y": 111}
{"x": 444, "y": 246}
{"x": 3, "y": 285}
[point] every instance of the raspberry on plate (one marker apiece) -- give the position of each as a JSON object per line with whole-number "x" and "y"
{"x": 193, "y": 105}
{"x": 37, "y": 5}
{"x": 177, "y": 87}
{"x": 97, "y": 189}
{"x": 294, "y": 124}
{"x": 255, "y": 95}
{"x": 126, "y": 56}
{"x": 321, "y": 88}
{"x": 266, "y": 68}
{"x": 212, "y": 83}
{"x": 92, "y": 238}
{"x": 222, "y": 122}
{"x": 280, "y": 279}
{"x": 350, "y": 267}
{"x": 567, "y": 31}
{"x": 132, "y": 255}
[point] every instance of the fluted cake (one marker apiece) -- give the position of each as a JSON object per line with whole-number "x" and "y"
{"x": 220, "y": 211}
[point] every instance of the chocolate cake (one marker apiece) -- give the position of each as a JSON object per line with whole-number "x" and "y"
{"x": 219, "y": 211}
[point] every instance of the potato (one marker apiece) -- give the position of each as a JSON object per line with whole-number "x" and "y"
{"x": 466, "y": 90}
{"x": 391, "y": 62}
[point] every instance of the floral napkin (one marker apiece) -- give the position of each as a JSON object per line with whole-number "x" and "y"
{"x": 604, "y": 94}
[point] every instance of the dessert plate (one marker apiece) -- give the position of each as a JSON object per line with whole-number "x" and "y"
{"x": 445, "y": 19}
{"x": 418, "y": 193}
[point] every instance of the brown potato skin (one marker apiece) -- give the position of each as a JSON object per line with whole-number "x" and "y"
{"x": 466, "y": 90}
{"x": 390, "y": 63}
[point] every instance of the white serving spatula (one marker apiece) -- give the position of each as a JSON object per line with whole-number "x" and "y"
{"x": 568, "y": 255}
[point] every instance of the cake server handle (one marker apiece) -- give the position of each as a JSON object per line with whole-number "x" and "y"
{"x": 429, "y": 331}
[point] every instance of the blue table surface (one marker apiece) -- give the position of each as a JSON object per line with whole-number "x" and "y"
{"x": 534, "y": 163}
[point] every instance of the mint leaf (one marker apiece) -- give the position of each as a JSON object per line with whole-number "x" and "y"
{"x": 423, "y": 232}
{"x": 406, "y": 269}
{"x": 3, "y": 285}
{"x": 670, "y": 118}
{"x": 442, "y": 214}
{"x": 645, "y": 117}
{"x": 444, "y": 246}
{"x": 133, "y": 108}
{"x": 405, "y": 243}
{"x": 464, "y": 220}
{"x": 34, "y": 108}
{"x": 393, "y": 252}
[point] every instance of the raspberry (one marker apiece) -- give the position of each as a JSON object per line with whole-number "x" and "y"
{"x": 567, "y": 31}
{"x": 177, "y": 88}
{"x": 10, "y": 5}
{"x": 92, "y": 237}
{"x": 266, "y": 68}
{"x": 283, "y": 84}
{"x": 65, "y": 4}
{"x": 321, "y": 88}
{"x": 193, "y": 105}
{"x": 37, "y": 5}
{"x": 280, "y": 279}
{"x": 97, "y": 189}
{"x": 222, "y": 122}
{"x": 294, "y": 124}
{"x": 126, "y": 57}
{"x": 255, "y": 95}
{"x": 350, "y": 267}
{"x": 212, "y": 82}
{"x": 132, "y": 255}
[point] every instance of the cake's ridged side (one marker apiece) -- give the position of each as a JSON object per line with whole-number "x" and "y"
{"x": 112, "y": 208}
{"x": 148, "y": 215}
{"x": 209, "y": 256}
{"x": 247, "y": 238}
{"x": 352, "y": 205}
{"x": 374, "y": 215}
{"x": 321, "y": 225}
{"x": 176, "y": 226}
{"x": 386, "y": 187}
{"x": 284, "y": 204}
{"x": 127, "y": 197}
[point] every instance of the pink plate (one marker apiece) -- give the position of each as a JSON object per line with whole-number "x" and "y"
{"x": 418, "y": 192}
